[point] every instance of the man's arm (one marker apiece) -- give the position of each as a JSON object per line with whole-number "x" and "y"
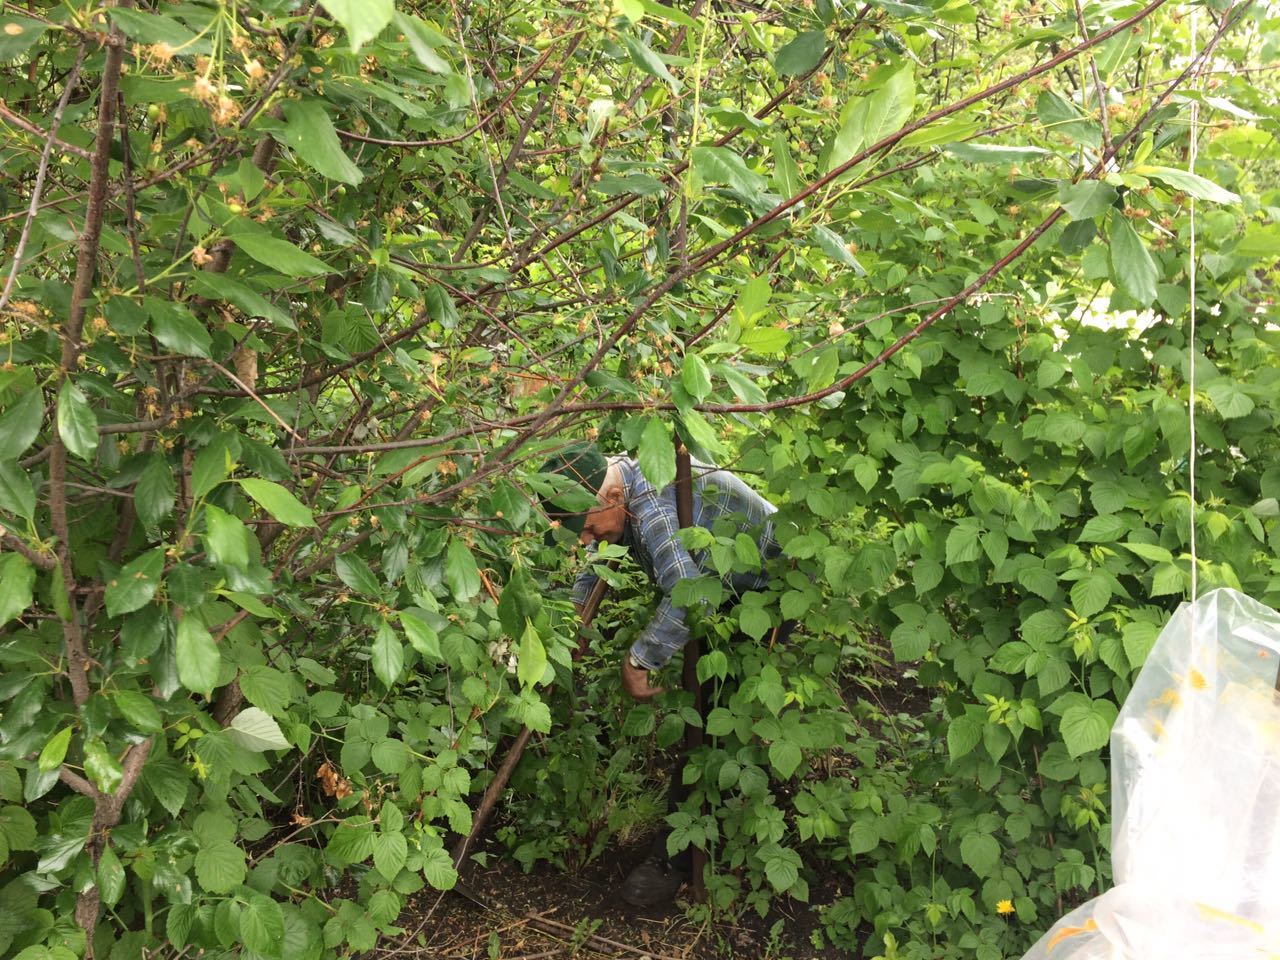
{"x": 657, "y": 526}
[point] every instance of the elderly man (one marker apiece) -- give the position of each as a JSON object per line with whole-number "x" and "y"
{"x": 630, "y": 511}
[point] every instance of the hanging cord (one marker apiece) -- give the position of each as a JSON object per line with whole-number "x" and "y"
{"x": 1191, "y": 341}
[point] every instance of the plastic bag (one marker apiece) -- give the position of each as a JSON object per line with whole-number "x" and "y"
{"x": 1195, "y": 777}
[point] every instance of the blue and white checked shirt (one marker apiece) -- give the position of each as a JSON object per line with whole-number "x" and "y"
{"x": 651, "y": 533}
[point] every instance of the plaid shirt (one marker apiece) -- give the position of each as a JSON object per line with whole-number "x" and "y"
{"x": 651, "y": 535}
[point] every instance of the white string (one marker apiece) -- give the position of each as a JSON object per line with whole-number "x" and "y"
{"x": 1191, "y": 341}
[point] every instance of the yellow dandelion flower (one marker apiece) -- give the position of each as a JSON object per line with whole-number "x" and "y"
{"x": 1004, "y": 907}
{"x": 1198, "y": 682}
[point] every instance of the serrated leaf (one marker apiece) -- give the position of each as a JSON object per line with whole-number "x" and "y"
{"x": 801, "y": 54}
{"x": 1188, "y": 182}
{"x": 390, "y": 850}
{"x": 262, "y": 926}
{"x": 695, "y": 376}
{"x": 657, "y": 454}
{"x": 1086, "y": 199}
{"x": 784, "y": 757}
{"x": 1091, "y": 594}
{"x": 278, "y": 502}
{"x": 111, "y": 878}
{"x": 17, "y": 496}
{"x": 980, "y": 852}
{"x": 422, "y": 636}
{"x": 722, "y": 165}
{"x": 102, "y": 767}
{"x": 17, "y": 580}
{"x": 253, "y": 729}
{"x": 20, "y": 424}
{"x": 868, "y": 120}
{"x": 362, "y": 19}
{"x": 1132, "y": 268}
{"x": 177, "y": 328}
{"x": 139, "y": 709}
{"x": 355, "y": 573}
{"x": 154, "y": 493}
{"x": 135, "y": 584}
{"x": 533, "y": 657}
{"x": 310, "y": 134}
{"x": 226, "y": 538}
{"x": 460, "y": 571}
{"x": 1087, "y": 727}
{"x": 220, "y": 867}
{"x": 54, "y": 751}
{"x": 197, "y": 656}
{"x": 387, "y": 655}
{"x": 77, "y": 423}
{"x": 648, "y": 61}
{"x": 423, "y": 41}
{"x": 279, "y": 254}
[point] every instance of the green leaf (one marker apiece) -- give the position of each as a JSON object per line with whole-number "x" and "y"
{"x": 387, "y": 655}
{"x": 178, "y": 329}
{"x": 253, "y": 729}
{"x": 722, "y": 165}
{"x": 134, "y": 586}
{"x": 390, "y": 850}
{"x": 55, "y": 751}
{"x": 218, "y": 286}
{"x": 423, "y": 41}
{"x": 1091, "y": 594}
{"x": 786, "y": 175}
{"x": 835, "y": 247}
{"x": 20, "y": 424}
{"x": 1229, "y": 399}
{"x": 355, "y": 573}
{"x": 153, "y": 495}
{"x": 1086, "y": 199}
{"x": 17, "y": 579}
{"x": 17, "y": 36}
{"x": 214, "y": 463}
{"x": 226, "y": 538}
{"x": 695, "y": 376}
{"x": 262, "y": 926}
{"x": 111, "y": 878}
{"x": 657, "y": 454}
{"x": 422, "y": 636}
{"x": 362, "y": 19}
{"x": 963, "y": 734}
{"x": 995, "y": 153}
{"x": 220, "y": 867}
{"x": 102, "y": 767}
{"x": 199, "y": 661}
{"x": 279, "y": 254}
{"x": 864, "y": 836}
{"x": 1132, "y": 268}
{"x": 278, "y": 502}
{"x": 980, "y": 852}
{"x": 16, "y": 493}
{"x": 390, "y": 756}
{"x": 309, "y": 133}
{"x": 77, "y": 423}
{"x": 533, "y": 657}
{"x": 139, "y": 709}
{"x": 438, "y": 869}
{"x": 868, "y": 120}
{"x": 1086, "y": 727}
{"x": 802, "y": 54}
{"x": 648, "y": 61}
{"x": 460, "y": 571}
{"x": 1190, "y": 183}
{"x": 964, "y": 543}
{"x": 784, "y": 757}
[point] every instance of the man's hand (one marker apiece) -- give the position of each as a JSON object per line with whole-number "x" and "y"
{"x": 635, "y": 681}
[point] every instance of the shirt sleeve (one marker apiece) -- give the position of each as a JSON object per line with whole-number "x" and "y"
{"x": 585, "y": 582}
{"x": 656, "y": 524}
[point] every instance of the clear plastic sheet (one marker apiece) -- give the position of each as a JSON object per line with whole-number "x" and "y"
{"x": 1195, "y": 779}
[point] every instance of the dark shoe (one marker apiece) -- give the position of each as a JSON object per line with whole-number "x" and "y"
{"x": 654, "y": 881}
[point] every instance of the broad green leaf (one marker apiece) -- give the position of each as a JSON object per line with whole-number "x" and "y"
{"x": 218, "y": 286}
{"x": 226, "y": 538}
{"x": 1086, "y": 727}
{"x": 309, "y": 133}
{"x": 532, "y": 658}
{"x": 390, "y": 850}
{"x": 199, "y": 661}
{"x": 253, "y": 729}
{"x": 868, "y": 120}
{"x": 422, "y": 636}
{"x": 154, "y": 493}
{"x": 801, "y": 54}
{"x": 17, "y": 35}
{"x": 786, "y": 176}
{"x": 102, "y": 767}
{"x": 279, "y": 254}
{"x": 1091, "y": 594}
{"x": 134, "y": 586}
{"x": 55, "y": 750}
{"x": 1190, "y": 183}
{"x": 355, "y": 573}
{"x": 835, "y": 247}
{"x": 995, "y": 153}
{"x": 362, "y": 19}
{"x": 16, "y": 493}
{"x": 1229, "y": 399}
{"x": 19, "y": 424}
{"x": 220, "y": 867}
{"x": 648, "y": 61}
{"x": 423, "y": 41}
{"x": 438, "y": 870}
{"x": 784, "y": 757}
{"x": 177, "y": 328}
{"x": 722, "y": 165}
{"x": 864, "y": 836}
{"x": 980, "y": 852}
{"x": 387, "y": 655}
{"x": 17, "y": 579}
{"x": 1132, "y": 268}
{"x": 278, "y": 502}
{"x": 262, "y": 926}
{"x": 460, "y": 571}
{"x": 1086, "y": 199}
{"x": 77, "y": 423}
{"x": 657, "y": 454}
{"x": 695, "y": 376}
{"x": 111, "y": 877}
{"x": 963, "y": 734}
{"x": 139, "y": 709}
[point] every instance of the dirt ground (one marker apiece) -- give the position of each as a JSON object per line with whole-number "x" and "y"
{"x": 505, "y": 914}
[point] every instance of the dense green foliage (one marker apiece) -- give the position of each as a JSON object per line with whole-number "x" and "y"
{"x": 301, "y": 294}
